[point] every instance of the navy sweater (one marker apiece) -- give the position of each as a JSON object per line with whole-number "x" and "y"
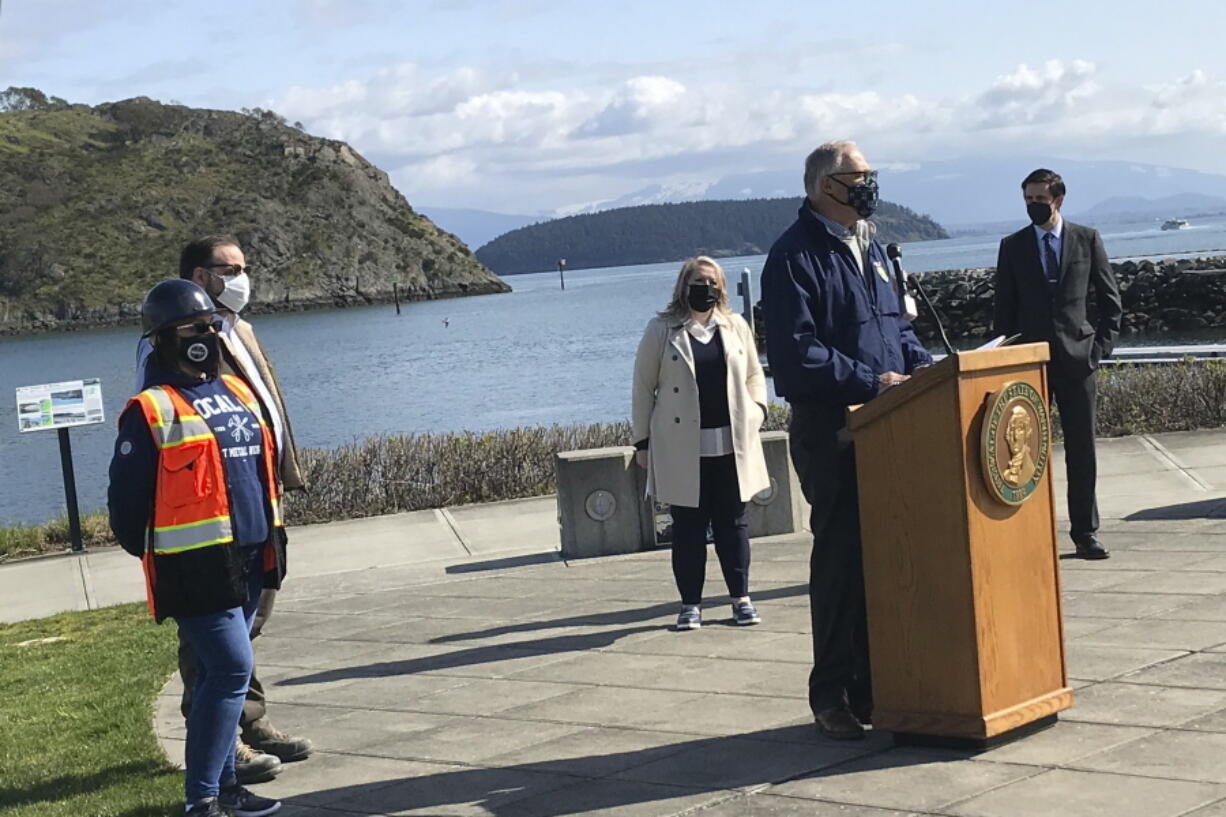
{"x": 135, "y": 462}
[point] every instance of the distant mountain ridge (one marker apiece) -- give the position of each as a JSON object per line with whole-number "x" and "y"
{"x": 96, "y": 203}
{"x": 477, "y": 227}
{"x": 667, "y": 232}
{"x": 972, "y": 190}
{"x": 1182, "y": 204}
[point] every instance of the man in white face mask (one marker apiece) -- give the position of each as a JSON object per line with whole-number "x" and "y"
{"x": 216, "y": 264}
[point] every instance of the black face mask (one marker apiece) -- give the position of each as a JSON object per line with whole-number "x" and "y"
{"x": 1039, "y": 212}
{"x": 861, "y": 197}
{"x": 201, "y": 352}
{"x": 702, "y": 297}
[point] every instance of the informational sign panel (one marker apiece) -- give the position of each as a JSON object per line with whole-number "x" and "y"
{"x": 59, "y": 405}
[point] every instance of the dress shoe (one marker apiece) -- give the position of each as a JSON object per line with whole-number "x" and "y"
{"x": 1091, "y": 549}
{"x": 838, "y": 723}
{"x": 863, "y": 713}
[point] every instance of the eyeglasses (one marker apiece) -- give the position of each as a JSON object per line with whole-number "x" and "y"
{"x": 202, "y": 327}
{"x": 869, "y": 175}
{"x": 229, "y": 270}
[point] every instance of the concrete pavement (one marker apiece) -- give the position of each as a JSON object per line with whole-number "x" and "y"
{"x": 482, "y": 675}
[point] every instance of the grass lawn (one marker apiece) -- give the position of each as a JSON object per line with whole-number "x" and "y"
{"x": 75, "y": 716}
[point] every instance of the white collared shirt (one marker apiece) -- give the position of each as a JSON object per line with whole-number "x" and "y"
{"x": 247, "y": 363}
{"x": 857, "y": 240}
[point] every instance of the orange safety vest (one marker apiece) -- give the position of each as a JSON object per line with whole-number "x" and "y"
{"x": 191, "y": 507}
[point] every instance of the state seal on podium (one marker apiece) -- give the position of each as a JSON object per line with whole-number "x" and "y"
{"x": 1015, "y": 445}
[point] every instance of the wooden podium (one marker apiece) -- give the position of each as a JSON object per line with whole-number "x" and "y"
{"x": 963, "y": 588}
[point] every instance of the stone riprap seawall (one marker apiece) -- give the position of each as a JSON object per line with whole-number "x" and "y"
{"x": 1159, "y": 296}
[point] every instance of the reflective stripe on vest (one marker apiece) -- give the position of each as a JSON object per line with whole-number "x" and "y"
{"x": 187, "y": 518}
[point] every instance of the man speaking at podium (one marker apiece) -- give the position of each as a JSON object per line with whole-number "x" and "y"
{"x": 835, "y": 338}
{"x": 1043, "y": 277}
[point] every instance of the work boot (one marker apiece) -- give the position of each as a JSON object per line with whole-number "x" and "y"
{"x": 263, "y": 736}
{"x": 255, "y": 767}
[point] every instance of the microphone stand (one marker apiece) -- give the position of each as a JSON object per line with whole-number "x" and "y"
{"x": 914, "y": 283}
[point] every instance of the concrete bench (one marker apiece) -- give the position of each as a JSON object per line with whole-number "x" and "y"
{"x": 602, "y": 509}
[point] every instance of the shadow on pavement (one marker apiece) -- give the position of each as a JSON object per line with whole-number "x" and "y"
{"x": 506, "y": 562}
{"x": 575, "y": 642}
{"x": 471, "y": 656}
{"x": 1202, "y": 509}
{"x": 613, "y": 618}
{"x": 687, "y": 769}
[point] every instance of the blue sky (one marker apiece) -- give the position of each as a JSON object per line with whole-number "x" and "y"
{"x": 533, "y": 105}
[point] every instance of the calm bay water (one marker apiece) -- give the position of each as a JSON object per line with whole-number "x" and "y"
{"x": 534, "y": 357}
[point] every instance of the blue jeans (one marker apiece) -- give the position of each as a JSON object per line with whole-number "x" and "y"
{"x": 222, "y": 642}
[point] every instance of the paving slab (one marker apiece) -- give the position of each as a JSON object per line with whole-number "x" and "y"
{"x": 1159, "y": 633}
{"x": 742, "y": 763}
{"x": 616, "y": 798}
{"x": 1169, "y": 754}
{"x": 766, "y": 804}
{"x": 1100, "y": 662}
{"x": 899, "y": 779}
{"x": 501, "y": 526}
{"x": 1064, "y": 791}
{"x": 1143, "y": 704}
{"x": 1066, "y": 742}
{"x": 1196, "y": 671}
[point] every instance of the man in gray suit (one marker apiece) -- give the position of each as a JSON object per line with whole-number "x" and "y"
{"x": 1044, "y": 275}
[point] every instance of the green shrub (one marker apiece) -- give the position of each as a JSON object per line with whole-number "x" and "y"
{"x": 392, "y": 474}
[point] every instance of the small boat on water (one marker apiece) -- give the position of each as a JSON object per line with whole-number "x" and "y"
{"x": 1175, "y": 224}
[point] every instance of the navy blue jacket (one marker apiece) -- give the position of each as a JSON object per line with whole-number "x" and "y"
{"x": 135, "y": 462}
{"x": 829, "y": 334}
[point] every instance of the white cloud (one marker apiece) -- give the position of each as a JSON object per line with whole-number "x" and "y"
{"x": 1041, "y": 94}
{"x": 1193, "y": 103}
{"x": 641, "y": 104}
{"x": 548, "y": 137}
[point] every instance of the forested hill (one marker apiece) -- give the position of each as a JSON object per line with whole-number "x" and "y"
{"x": 667, "y": 232}
{"x": 96, "y": 202}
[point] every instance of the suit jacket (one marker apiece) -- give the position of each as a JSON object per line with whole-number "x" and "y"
{"x": 1024, "y": 304}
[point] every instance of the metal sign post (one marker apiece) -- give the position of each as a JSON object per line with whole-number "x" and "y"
{"x": 70, "y": 492}
{"x": 60, "y": 406}
{"x": 562, "y": 272}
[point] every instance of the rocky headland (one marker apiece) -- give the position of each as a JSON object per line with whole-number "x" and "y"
{"x": 96, "y": 202}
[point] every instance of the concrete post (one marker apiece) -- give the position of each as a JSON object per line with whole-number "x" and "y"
{"x": 600, "y": 503}
{"x": 781, "y": 508}
{"x": 744, "y": 288}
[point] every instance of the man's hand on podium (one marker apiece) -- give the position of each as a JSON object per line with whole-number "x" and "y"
{"x": 889, "y": 379}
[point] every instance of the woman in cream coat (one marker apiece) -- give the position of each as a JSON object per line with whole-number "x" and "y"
{"x": 699, "y": 401}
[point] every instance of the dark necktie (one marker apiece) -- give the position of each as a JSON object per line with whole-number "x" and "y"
{"x": 1051, "y": 264}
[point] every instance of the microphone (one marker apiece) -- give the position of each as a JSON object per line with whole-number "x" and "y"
{"x": 894, "y": 253}
{"x": 905, "y": 300}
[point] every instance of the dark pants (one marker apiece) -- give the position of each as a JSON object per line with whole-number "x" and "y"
{"x": 1075, "y": 396}
{"x": 825, "y": 462}
{"x": 719, "y": 502}
{"x": 253, "y": 707}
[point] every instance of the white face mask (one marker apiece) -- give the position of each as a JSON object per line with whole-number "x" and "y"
{"x": 237, "y": 292}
